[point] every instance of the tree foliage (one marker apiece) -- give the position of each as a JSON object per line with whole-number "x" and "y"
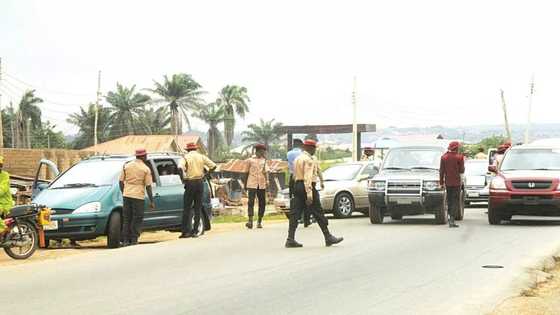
{"x": 235, "y": 101}
{"x": 126, "y": 108}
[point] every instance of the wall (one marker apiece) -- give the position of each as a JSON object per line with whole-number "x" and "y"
{"x": 24, "y": 162}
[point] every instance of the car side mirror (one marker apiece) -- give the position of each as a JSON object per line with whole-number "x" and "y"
{"x": 42, "y": 186}
{"x": 492, "y": 169}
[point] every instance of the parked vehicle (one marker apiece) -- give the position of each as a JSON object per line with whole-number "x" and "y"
{"x": 408, "y": 184}
{"x": 88, "y": 202}
{"x": 527, "y": 183}
{"x": 24, "y": 229}
{"x": 345, "y": 189}
{"x": 476, "y": 181}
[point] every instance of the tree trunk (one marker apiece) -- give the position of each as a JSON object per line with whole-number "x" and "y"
{"x": 211, "y": 141}
{"x": 28, "y": 133}
{"x": 229, "y": 128}
{"x": 174, "y": 121}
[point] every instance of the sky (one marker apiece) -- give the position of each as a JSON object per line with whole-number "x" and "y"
{"x": 416, "y": 63}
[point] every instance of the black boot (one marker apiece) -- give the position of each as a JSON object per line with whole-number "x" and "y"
{"x": 259, "y": 223}
{"x": 452, "y": 222}
{"x": 332, "y": 240}
{"x": 249, "y": 223}
{"x": 291, "y": 243}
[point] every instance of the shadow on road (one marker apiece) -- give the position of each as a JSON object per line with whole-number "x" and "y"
{"x": 532, "y": 223}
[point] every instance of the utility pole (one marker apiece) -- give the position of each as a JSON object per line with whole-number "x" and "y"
{"x": 97, "y": 108}
{"x": 1, "y": 124}
{"x": 531, "y": 92}
{"x": 355, "y": 145}
{"x": 506, "y": 121}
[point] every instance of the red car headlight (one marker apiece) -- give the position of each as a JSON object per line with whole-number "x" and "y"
{"x": 498, "y": 183}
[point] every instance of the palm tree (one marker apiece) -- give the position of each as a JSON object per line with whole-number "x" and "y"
{"x": 235, "y": 100}
{"x": 28, "y": 116}
{"x": 181, "y": 94}
{"x": 127, "y": 105}
{"x": 267, "y": 133}
{"x": 212, "y": 114}
{"x": 85, "y": 120}
{"x": 155, "y": 121}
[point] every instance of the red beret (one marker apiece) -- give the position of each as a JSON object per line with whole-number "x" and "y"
{"x": 141, "y": 152}
{"x": 310, "y": 143}
{"x": 260, "y": 146}
{"x": 192, "y": 146}
{"x": 454, "y": 146}
{"x": 368, "y": 149}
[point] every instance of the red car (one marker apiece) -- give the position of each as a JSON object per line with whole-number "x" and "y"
{"x": 527, "y": 183}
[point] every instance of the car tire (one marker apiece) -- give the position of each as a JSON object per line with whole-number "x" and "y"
{"x": 343, "y": 205}
{"x": 441, "y": 213}
{"x": 494, "y": 216}
{"x": 114, "y": 230}
{"x": 396, "y": 216}
{"x": 376, "y": 214}
{"x": 459, "y": 216}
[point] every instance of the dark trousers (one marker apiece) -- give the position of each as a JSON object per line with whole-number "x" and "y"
{"x": 453, "y": 196}
{"x": 300, "y": 205}
{"x": 133, "y": 216}
{"x": 192, "y": 197}
{"x": 261, "y": 195}
{"x": 305, "y": 215}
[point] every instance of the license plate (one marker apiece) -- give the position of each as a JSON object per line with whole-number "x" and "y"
{"x": 474, "y": 195}
{"x": 531, "y": 201}
{"x": 51, "y": 226}
{"x": 404, "y": 201}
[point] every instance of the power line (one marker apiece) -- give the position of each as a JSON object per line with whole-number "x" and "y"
{"x": 44, "y": 89}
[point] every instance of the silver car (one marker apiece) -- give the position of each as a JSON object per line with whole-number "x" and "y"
{"x": 346, "y": 188}
{"x": 476, "y": 181}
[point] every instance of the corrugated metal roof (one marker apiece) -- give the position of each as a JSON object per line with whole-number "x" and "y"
{"x": 239, "y": 166}
{"x": 152, "y": 143}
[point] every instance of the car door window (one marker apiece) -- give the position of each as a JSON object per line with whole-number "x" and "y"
{"x": 167, "y": 172}
{"x": 370, "y": 170}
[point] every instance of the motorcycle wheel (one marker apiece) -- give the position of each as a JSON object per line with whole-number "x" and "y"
{"x": 30, "y": 234}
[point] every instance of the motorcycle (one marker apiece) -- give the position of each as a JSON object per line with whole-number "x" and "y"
{"x": 24, "y": 230}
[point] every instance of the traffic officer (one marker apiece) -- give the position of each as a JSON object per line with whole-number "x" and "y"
{"x": 452, "y": 167}
{"x": 135, "y": 179}
{"x": 369, "y": 154}
{"x": 6, "y": 199}
{"x": 317, "y": 178}
{"x": 306, "y": 195}
{"x": 193, "y": 167}
{"x": 257, "y": 183}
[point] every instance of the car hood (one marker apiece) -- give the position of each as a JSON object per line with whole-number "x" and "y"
{"x": 70, "y": 198}
{"x": 513, "y": 175}
{"x": 408, "y": 175}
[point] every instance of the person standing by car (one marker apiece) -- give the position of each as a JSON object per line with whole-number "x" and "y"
{"x": 135, "y": 179}
{"x": 307, "y": 196}
{"x": 193, "y": 167}
{"x": 6, "y": 200}
{"x": 452, "y": 167}
{"x": 369, "y": 154}
{"x": 481, "y": 155}
{"x": 257, "y": 183}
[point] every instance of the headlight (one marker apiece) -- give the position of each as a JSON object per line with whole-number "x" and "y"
{"x": 498, "y": 183}
{"x": 92, "y": 207}
{"x": 431, "y": 185}
{"x": 376, "y": 185}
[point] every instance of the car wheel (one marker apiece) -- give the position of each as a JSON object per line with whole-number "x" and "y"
{"x": 441, "y": 213}
{"x": 461, "y": 214}
{"x": 114, "y": 230}
{"x": 396, "y": 216}
{"x": 343, "y": 205}
{"x": 494, "y": 216}
{"x": 376, "y": 214}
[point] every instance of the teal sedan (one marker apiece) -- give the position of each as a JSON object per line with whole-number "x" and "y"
{"x": 88, "y": 202}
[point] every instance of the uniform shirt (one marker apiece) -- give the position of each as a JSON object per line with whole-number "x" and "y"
{"x": 304, "y": 169}
{"x": 452, "y": 166}
{"x": 6, "y": 200}
{"x": 498, "y": 160}
{"x": 292, "y": 156}
{"x": 480, "y": 156}
{"x": 135, "y": 176}
{"x": 366, "y": 158}
{"x": 255, "y": 167}
{"x": 193, "y": 164}
{"x": 318, "y": 175}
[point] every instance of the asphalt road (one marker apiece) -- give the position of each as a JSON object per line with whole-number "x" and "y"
{"x": 409, "y": 267}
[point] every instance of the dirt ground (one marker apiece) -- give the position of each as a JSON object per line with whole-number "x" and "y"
{"x": 544, "y": 299}
{"x": 66, "y": 250}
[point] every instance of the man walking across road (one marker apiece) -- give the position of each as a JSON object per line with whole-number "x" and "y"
{"x": 257, "y": 183}
{"x": 193, "y": 165}
{"x": 452, "y": 167}
{"x": 135, "y": 179}
{"x": 306, "y": 195}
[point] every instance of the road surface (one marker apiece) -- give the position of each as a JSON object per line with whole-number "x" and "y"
{"x": 410, "y": 267}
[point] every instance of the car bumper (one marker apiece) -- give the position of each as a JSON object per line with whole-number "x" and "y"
{"x": 476, "y": 195}
{"x": 538, "y": 204}
{"x": 78, "y": 226}
{"x": 428, "y": 202}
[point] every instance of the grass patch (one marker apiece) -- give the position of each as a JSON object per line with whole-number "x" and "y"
{"x": 241, "y": 218}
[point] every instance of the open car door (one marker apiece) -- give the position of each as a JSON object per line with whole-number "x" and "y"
{"x": 40, "y": 184}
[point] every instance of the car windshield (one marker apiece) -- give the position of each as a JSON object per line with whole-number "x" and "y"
{"x": 531, "y": 159}
{"x": 341, "y": 172}
{"x": 412, "y": 159}
{"x": 90, "y": 173}
{"x": 476, "y": 168}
